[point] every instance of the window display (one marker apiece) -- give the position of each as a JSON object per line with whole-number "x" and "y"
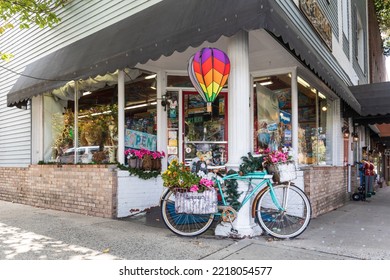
{"x": 314, "y": 134}
{"x": 171, "y": 99}
{"x": 205, "y": 133}
{"x": 97, "y": 118}
{"x": 272, "y": 119}
{"x": 141, "y": 113}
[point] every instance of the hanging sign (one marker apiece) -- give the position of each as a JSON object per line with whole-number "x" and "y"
{"x": 140, "y": 140}
{"x": 209, "y": 70}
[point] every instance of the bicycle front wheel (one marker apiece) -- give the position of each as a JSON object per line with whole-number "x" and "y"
{"x": 183, "y": 224}
{"x": 287, "y": 214}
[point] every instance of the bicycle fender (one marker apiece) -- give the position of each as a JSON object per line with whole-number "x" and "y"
{"x": 259, "y": 194}
{"x": 162, "y": 195}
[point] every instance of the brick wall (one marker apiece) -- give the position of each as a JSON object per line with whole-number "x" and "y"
{"x": 83, "y": 189}
{"x": 326, "y": 188}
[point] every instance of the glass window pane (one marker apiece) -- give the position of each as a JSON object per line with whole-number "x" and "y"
{"x": 272, "y": 115}
{"x": 179, "y": 81}
{"x": 204, "y": 132}
{"x": 307, "y": 135}
{"x": 315, "y": 133}
{"x": 141, "y": 113}
{"x": 97, "y": 122}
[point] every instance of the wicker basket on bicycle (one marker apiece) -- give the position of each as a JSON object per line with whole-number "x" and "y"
{"x": 282, "y": 171}
{"x": 188, "y": 202}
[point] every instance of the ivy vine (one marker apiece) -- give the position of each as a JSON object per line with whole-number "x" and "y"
{"x": 142, "y": 174}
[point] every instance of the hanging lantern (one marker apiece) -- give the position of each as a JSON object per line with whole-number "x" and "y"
{"x": 209, "y": 70}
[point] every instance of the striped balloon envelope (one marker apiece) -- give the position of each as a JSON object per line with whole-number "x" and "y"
{"x": 209, "y": 70}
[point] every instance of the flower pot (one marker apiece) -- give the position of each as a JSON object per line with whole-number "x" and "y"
{"x": 139, "y": 163}
{"x": 133, "y": 162}
{"x": 147, "y": 163}
{"x": 156, "y": 164}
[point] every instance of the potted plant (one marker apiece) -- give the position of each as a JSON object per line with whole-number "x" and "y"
{"x": 131, "y": 157}
{"x": 193, "y": 194}
{"x": 156, "y": 159}
{"x": 280, "y": 163}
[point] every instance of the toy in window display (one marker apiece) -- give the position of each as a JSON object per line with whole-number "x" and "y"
{"x": 199, "y": 164}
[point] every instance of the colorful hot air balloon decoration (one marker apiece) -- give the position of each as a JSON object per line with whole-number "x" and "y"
{"x": 209, "y": 70}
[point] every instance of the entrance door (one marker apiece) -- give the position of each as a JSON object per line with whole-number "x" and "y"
{"x": 205, "y": 134}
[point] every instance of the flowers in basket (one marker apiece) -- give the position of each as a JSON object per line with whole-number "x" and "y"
{"x": 178, "y": 177}
{"x": 280, "y": 164}
{"x": 275, "y": 157}
{"x": 193, "y": 194}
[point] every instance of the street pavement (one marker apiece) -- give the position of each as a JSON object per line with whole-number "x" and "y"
{"x": 359, "y": 230}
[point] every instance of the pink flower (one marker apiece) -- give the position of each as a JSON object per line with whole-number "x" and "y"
{"x": 194, "y": 188}
{"x": 206, "y": 182}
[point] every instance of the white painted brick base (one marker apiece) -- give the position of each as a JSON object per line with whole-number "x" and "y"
{"x": 135, "y": 194}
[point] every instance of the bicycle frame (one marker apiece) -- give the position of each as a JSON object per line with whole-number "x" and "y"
{"x": 265, "y": 180}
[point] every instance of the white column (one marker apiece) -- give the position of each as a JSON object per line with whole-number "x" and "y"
{"x": 239, "y": 94}
{"x": 37, "y": 121}
{"x": 76, "y": 121}
{"x": 121, "y": 117}
{"x": 239, "y": 129}
{"x": 294, "y": 113}
{"x": 162, "y": 121}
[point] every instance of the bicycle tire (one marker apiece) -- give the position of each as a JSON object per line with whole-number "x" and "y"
{"x": 183, "y": 224}
{"x": 288, "y": 223}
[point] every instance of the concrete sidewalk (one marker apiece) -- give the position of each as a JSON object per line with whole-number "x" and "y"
{"x": 359, "y": 230}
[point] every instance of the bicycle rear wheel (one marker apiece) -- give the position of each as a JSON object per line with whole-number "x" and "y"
{"x": 289, "y": 222}
{"x": 183, "y": 224}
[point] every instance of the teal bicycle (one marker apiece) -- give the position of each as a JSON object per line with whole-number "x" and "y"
{"x": 283, "y": 211}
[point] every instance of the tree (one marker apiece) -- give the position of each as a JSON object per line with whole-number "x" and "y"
{"x": 23, "y": 13}
{"x": 382, "y": 8}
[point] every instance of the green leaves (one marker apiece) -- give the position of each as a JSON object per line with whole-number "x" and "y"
{"x": 25, "y": 13}
{"x": 6, "y": 56}
{"x": 251, "y": 164}
{"x": 382, "y": 8}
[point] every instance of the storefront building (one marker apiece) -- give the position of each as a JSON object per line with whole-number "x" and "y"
{"x": 126, "y": 86}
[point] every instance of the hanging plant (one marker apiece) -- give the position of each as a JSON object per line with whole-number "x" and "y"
{"x": 231, "y": 192}
{"x": 251, "y": 164}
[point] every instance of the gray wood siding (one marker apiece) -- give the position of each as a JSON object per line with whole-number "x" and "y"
{"x": 359, "y": 8}
{"x": 80, "y": 18}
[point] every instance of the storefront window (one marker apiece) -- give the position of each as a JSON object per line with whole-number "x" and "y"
{"x": 141, "y": 113}
{"x": 313, "y": 134}
{"x": 179, "y": 81}
{"x": 272, "y": 115}
{"x": 272, "y": 119}
{"x": 97, "y": 118}
{"x": 205, "y": 133}
{"x": 97, "y": 126}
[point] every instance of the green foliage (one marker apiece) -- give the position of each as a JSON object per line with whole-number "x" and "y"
{"x": 251, "y": 164}
{"x": 382, "y": 8}
{"x": 142, "y": 174}
{"x": 24, "y": 13}
{"x": 231, "y": 192}
{"x": 179, "y": 176}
